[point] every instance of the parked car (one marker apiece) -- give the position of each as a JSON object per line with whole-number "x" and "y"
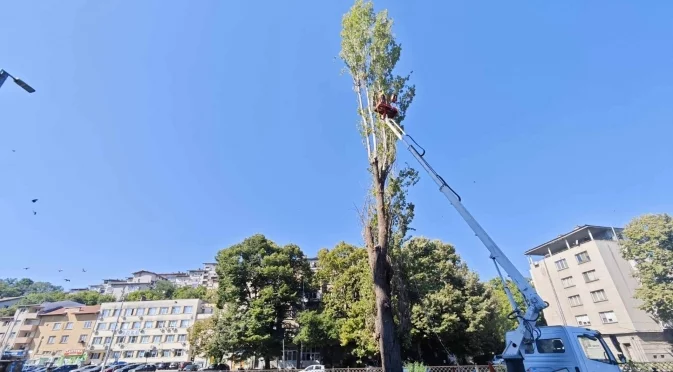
{"x": 65, "y": 368}
{"x": 315, "y": 367}
{"x": 145, "y": 368}
{"x": 174, "y": 365}
{"x": 184, "y": 365}
{"x": 126, "y": 368}
{"x": 217, "y": 367}
{"x": 162, "y": 365}
{"x": 190, "y": 367}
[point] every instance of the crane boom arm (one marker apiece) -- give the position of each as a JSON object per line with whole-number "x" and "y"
{"x": 535, "y": 304}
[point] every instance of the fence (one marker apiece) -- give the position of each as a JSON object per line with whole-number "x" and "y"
{"x": 630, "y": 367}
{"x": 648, "y": 367}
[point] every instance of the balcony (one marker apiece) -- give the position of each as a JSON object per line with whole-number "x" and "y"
{"x": 30, "y": 316}
{"x": 28, "y": 328}
{"x": 22, "y": 340}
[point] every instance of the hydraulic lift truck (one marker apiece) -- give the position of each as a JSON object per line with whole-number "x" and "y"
{"x": 527, "y": 348}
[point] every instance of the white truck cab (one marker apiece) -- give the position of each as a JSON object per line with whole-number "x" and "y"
{"x": 568, "y": 349}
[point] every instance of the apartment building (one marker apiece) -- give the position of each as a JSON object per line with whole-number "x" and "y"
{"x": 21, "y": 329}
{"x": 586, "y": 281}
{"x": 119, "y": 288}
{"x": 137, "y": 331}
{"x": 62, "y": 335}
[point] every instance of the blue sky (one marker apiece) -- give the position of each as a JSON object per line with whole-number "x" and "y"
{"x": 162, "y": 131}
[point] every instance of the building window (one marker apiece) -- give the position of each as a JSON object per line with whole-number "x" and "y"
{"x": 575, "y": 300}
{"x": 567, "y": 282}
{"x": 582, "y": 257}
{"x": 184, "y": 323}
{"x": 82, "y": 339}
{"x": 608, "y": 317}
{"x": 163, "y": 310}
{"x": 136, "y": 325}
{"x": 182, "y": 338}
{"x": 165, "y": 353}
{"x": 116, "y": 354}
{"x": 128, "y": 354}
{"x": 173, "y": 324}
{"x": 140, "y": 354}
{"x": 101, "y": 326}
{"x": 108, "y": 340}
{"x": 589, "y": 276}
{"x": 170, "y": 338}
{"x": 56, "y": 327}
{"x": 133, "y": 339}
{"x": 51, "y": 339}
{"x": 116, "y": 312}
{"x": 95, "y": 355}
{"x": 106, "y": 312}
{"x": 149, "y": 324}
{"x": 140, "y": 312}
{"x": 179, "y": 352}
{"x": 583, "y": 320}
{"x": 128, "y": 312}
{"x": 599, "y": 296}
{"x": 161, "y": 324}
{"x": 97, "y": 340}
{"x": 68, "y": 325}
{"x": 156, "y": 339}
{"x": 152, "y": 311}
{"x": 87, "y": 324}
{"x": 561, "y": 264}
{"x": 113, "y": 326}
{"x": 145, "y": 340}
{"x": 125, "y": 325}
{"x": 175, "y": 310}
{"x": 551, "y": 345}
{"x": 64, "y": 339}
{"x": 188, "y": 309}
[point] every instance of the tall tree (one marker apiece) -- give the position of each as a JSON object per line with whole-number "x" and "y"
{"x": 370, "y": 53}
{"x": 649, "y": 242}
{"x": 259, "y": 287}
{"x": 90, "y": 297}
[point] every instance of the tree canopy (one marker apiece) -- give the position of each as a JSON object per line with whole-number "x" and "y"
{"x": 649, "y": 243}
{"x": 260, "y": 286}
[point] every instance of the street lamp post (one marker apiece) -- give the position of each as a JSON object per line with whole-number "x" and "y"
{"x": 4, "y": 75}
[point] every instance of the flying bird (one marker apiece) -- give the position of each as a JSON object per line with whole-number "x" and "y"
{"x": 83, "y": 270}
{"x": 26, "y": 268}
{"x": 67, "y": 280}
{"x": 34, "y": 200}
{"x": 13, "y": 150}
{"x": 34, "y": 213}
{"x": 59, "y": 270}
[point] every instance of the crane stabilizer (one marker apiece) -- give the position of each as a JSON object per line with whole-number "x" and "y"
{"x": 526, "y": 332}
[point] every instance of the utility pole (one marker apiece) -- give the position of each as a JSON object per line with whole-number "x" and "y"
{"x": 4, "y": 75}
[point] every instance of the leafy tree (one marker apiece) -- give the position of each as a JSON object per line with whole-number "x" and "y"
{"x": 20, "y": 287}
{"x": 649, "y": 242}
{"x": 90, "y": 297}
{"x": 348, "y": 300}
{"x": 259, "y": 287}
{"x": 190, "y": 292}
{"x": 370, "y": 53}
{"x": 452, "y": 312}
{"x": 146, "y": 295}
{"x": 202, "y": 338}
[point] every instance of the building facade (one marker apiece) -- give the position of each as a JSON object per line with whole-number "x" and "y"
{"x": 62, "y": 335}
{"x": 586, "y": 281}
{"x": 139, "y": 331}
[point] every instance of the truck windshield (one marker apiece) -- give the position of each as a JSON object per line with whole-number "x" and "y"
{"x": 595, "y": 349}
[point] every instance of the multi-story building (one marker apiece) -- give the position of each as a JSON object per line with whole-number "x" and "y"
{"x": 137, "y": 331}
{"x": 119, "y": 288}
{"x": 9, "y": 301}
{"x": 586, "y": 281}
{"x": 22, "y": 328}
{"x": 62, "y": 335}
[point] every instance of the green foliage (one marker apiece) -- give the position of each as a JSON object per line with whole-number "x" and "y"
{"x": 90, "y": 297}
{"x": 165, "y": 290}
{"x": 649, "y": 242}
{"x": 416, "y": 367}
{"x": 451, "y": 310}
{"x": 259, "y": 287}
{"x": 349, "y": 299}
{"x": 21, "y": 287}
{"x": 202, "y": 338}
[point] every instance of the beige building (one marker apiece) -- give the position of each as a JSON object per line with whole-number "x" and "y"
{"x": 62, "y": 335}
{"x": 125, "y": 331}
{"x": 585, "y": 280}
{"x": 20, "y": 330}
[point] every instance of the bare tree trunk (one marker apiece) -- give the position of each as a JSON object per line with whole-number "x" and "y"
{"x": 389, "y": 346}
